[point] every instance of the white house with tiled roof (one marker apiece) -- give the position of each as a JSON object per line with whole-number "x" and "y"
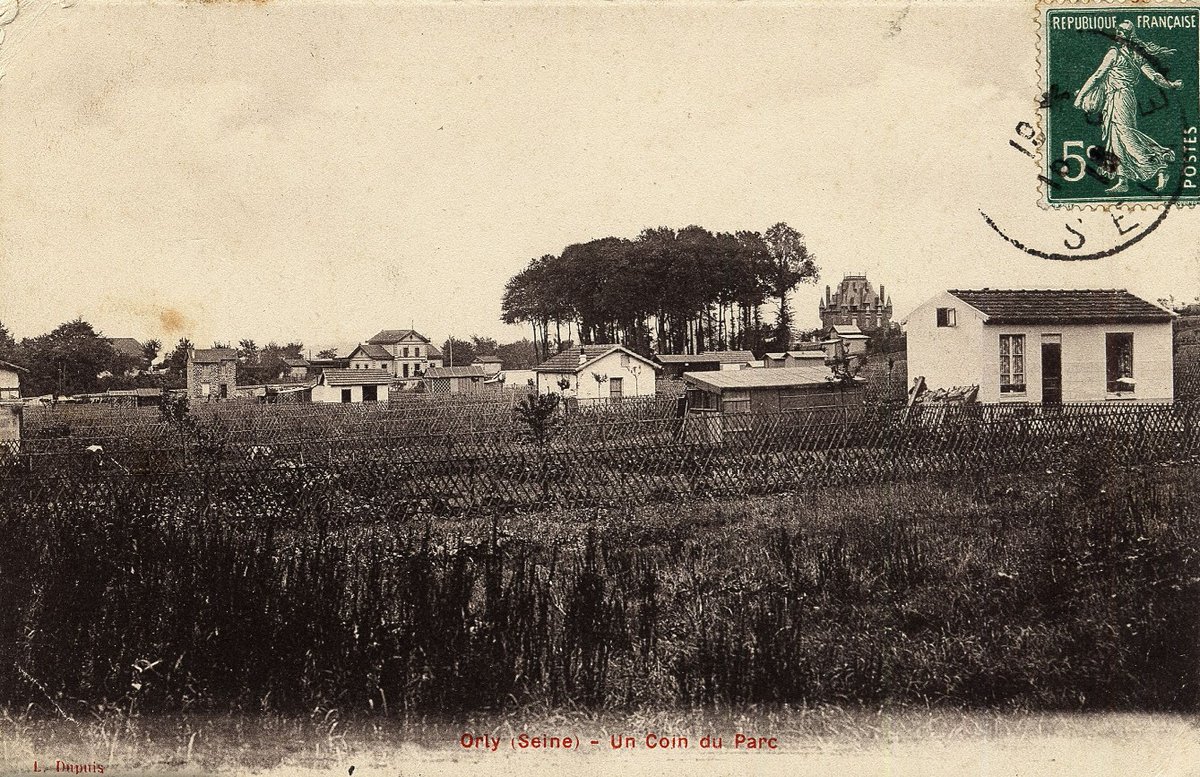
{"x": 597, "y": 372}
{"x": 352, "y": 385}
{"x": 1047, "y": 346}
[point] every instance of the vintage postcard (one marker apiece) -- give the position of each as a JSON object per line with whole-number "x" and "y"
{"x": 676, "y": 388}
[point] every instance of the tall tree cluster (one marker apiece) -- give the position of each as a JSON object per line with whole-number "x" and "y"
{"x": 673, "y": 291}
{"x": 262, "y": 364}
{"x": 72, "y": 358}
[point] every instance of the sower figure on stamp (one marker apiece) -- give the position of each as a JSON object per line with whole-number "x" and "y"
{"x": 1110, "y": 92}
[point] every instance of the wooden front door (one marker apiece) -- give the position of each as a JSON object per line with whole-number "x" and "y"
{"x": 1052, "y": 373}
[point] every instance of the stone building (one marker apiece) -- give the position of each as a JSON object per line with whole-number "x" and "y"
{"x": 212, "y": 373}
{"x": 855, "y": 302}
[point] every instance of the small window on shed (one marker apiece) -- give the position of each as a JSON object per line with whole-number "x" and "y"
{"x": 946, "y": 317}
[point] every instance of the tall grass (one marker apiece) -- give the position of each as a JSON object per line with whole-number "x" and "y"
{"x": 1074, "y": 589}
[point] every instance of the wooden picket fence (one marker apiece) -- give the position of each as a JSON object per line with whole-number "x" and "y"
{"x": 399, "y": 468}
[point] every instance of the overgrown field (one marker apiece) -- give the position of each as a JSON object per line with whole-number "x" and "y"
{"x": 436, "y": 557}
{"x": 1075, "y": 588}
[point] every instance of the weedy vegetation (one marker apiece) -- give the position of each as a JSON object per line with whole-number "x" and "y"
{"x": 437, "y": 557}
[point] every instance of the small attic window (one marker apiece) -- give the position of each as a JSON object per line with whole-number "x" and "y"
{"x": 946, "y": 317}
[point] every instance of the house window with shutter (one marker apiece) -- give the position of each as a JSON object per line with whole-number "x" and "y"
{"x": 1012, "y": 364}
{"x": 946, "y": 317}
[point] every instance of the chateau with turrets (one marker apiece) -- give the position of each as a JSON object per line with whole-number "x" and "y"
{"x": 855, "y": 302}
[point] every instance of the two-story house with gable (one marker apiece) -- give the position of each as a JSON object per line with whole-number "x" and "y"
{"x": 403, "y": 353}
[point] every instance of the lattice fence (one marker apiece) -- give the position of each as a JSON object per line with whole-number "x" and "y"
{"x": 388, "y": 466}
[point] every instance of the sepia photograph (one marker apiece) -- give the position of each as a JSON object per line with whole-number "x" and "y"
{"x": 589, "y": 387}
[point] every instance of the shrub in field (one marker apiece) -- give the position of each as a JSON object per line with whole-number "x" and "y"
{"x": 538, "y": 414}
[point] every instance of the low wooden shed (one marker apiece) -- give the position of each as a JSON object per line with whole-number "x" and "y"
{"x": 770, "y": 390}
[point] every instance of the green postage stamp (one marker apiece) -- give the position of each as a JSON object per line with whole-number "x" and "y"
{"x": 1120, "y": 103}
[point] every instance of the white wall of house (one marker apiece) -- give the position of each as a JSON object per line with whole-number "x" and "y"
{"x": 411, "y": 357}
{"x": 519, "y": 379}
{"x": 362, "y": 362}
{"x": 323, "y": 393}
{"x": 636, "y": 378}
{"x": 968, "y": 353}
{"x": 1084, "y": 362}
{"x": 945, "y": 356}
{"x": 10, "y": 383}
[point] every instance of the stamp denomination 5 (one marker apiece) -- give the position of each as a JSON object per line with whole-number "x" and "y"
{"x": 1120, "y": 105}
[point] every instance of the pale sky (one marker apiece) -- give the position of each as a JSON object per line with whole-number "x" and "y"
{"x": 317, "y": 172}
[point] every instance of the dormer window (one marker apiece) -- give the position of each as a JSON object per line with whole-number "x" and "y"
{"x": 946, "y": 317}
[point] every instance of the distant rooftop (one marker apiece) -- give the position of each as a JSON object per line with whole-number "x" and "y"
{"x": 393, "y": 336}
{"x": 213, "y": 355}
{"x": 127, "y": 346}
{"x": 569, "y": 361}
{"x": 455, "y": 372}
{"x": 350, "y": 377}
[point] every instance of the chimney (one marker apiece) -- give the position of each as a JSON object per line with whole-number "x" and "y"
{"x": 882, "y": 296}
{"x": 827, "y": 296}
{"x": 582, "y": 355}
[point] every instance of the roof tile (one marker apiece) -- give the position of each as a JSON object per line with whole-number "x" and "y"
{"x": 372, "y": 351}
{"x": 1067, "y": 306}
{"x": 392, "y": 336}
{"x": 351, "y": 377}
{"x": 455, "y": 372}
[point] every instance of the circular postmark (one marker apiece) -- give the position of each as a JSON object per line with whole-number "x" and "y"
{"x": 1077, "y": 234}
{"x": 1083, "y": 234}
